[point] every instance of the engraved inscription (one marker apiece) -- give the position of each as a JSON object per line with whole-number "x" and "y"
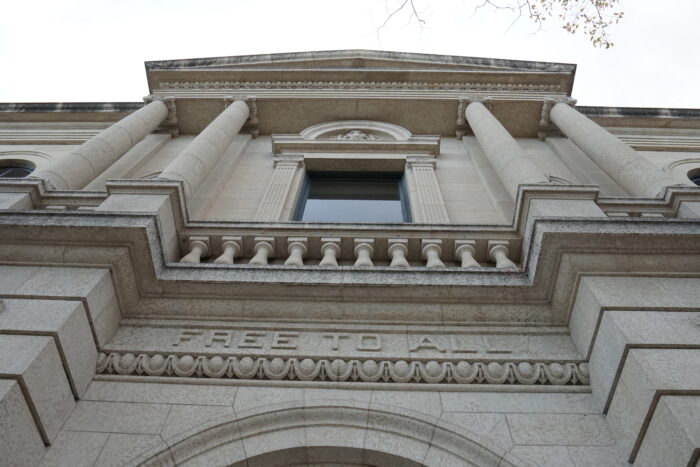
{"x": 339, "y": 342}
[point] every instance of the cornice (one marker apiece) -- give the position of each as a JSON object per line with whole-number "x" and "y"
{"x": 279, "y": 59}
{"x": 70, "y": 107}
{"x": 636, "y": 112}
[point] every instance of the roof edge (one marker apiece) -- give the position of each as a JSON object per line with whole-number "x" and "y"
{"x": 208, "y": 62}
{"x": 644, "y": 112}
{"x": 46, "y": 107}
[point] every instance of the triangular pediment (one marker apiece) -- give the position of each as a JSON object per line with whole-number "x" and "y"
{"x": 358, "y": 60}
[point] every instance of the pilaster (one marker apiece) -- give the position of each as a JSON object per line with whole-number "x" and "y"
{"x": 279, "y": 188}
{"x": 427, "y": 205}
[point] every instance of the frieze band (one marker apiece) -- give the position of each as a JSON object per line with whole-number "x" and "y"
{"x": 354, "y": 85}
{"x": 401, "y": 371}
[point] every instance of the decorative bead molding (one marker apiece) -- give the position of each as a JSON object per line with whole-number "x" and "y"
{"x": 307, "y": 369}
{"x": 354, "y": 85}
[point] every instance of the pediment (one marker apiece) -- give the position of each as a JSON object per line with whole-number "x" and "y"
{"x": 357, "y": 60}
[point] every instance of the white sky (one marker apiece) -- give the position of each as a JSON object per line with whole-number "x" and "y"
{"x": 93, "y": 50}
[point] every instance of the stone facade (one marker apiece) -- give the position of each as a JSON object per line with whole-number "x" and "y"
{"x": 160, "y": 306}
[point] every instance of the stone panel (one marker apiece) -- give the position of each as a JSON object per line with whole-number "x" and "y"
{"x": 121, "y": 448}
{"x": 20, "y": 441}
{"x": 163, "y": 393}
{"x": 66, "y": 323}
{"x": 673, "y": 436}
{"x": 118, "y": 417}
{"x": 648, "y": 374}
{"x": 35, "y": 364}
{"x": 559, "y": 429}
{"x": 90, "y": 285}
{"x": 75, "y": 449}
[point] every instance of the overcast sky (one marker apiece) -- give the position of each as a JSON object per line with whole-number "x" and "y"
{"x": 93, "y": 50}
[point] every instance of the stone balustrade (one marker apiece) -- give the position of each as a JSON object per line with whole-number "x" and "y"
{"x": 350, "y": 251}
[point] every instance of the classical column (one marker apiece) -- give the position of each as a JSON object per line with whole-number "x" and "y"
{"x": 632, "y": 171}
{"x": 195, "y": 162}
{"x": 278, "y": 189}
{"x": 82, "y": 165}
{"x": 426, "y": 201}
{"x": 504, "y": 153}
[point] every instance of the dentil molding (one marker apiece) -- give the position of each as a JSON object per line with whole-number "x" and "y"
{"x": 392, "y": 85}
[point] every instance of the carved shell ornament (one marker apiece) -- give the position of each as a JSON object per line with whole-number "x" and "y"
{"x": 356, "y": 135}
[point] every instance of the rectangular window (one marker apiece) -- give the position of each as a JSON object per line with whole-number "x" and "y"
{"x": 353, "y": 197}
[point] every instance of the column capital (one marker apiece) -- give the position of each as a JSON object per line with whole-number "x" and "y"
{"x": 230, "y": 99}
{"x": 421, "y": 161}
{"x": 170, "y": 123}
{"x": 251, "y": 101}
{"x": 463, "y": 102}
{"x": 469, "y": 98}
{"x": 289, "y": 160}
{"x": 545, "y": 124}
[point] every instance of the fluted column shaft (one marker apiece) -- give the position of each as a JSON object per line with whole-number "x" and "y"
{"x": 634, "y": 173}
{"x": 197, "y": 160}
{"x": 504, "y": 153}
{"x": 82, "y": 165}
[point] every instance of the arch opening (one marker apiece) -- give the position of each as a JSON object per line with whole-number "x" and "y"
{"x": 340, "y": 433}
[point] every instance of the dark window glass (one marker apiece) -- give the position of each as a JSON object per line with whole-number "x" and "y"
{"x": 362, "y": 197}
{"x": 695, "y": 178}
{"x": 14, "y": 171}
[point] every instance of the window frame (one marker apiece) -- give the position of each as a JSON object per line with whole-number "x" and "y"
{"x": 309, "y": 176}
{"x": 10, "y": 164}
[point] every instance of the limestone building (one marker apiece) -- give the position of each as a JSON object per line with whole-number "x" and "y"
{"x": 350, "y": 258}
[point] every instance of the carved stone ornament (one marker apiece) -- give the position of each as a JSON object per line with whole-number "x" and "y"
{"x": 361, "y": 371}
{"x": 545, "y": 125}
{"x": 351, "y": 85}
{"x": 356, "y": 135}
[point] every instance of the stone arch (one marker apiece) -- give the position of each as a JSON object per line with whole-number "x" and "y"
{"x": 372, "y": 129}
{"x": 340, "y": 432}
{"x": 684, "y": 169}
{"x": 24, "y": 158}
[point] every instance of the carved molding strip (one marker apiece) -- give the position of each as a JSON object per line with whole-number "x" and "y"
{"x": 263, "y": 368}
{"x": 394, "y": 85}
